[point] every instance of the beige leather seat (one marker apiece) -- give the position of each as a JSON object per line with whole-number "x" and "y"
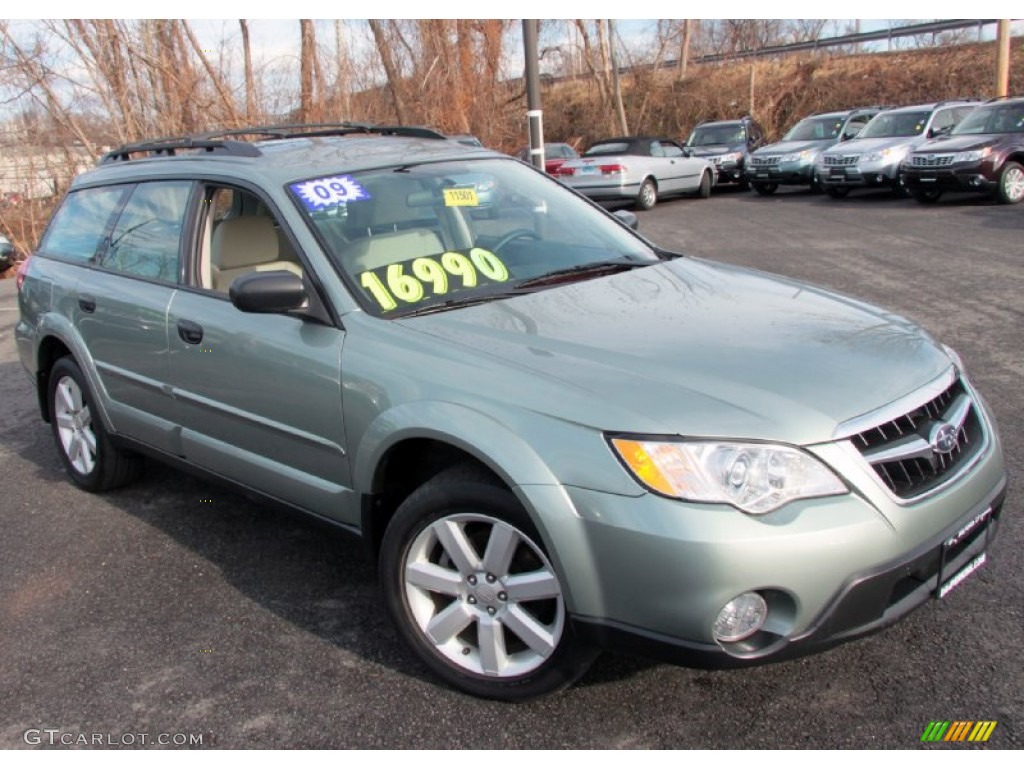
{"x": 243, "y": 245}
{"x": 379, "y": 227}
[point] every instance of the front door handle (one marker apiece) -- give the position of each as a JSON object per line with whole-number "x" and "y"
{"x": 87, "y": 303}
{"x": 190, "y": 333}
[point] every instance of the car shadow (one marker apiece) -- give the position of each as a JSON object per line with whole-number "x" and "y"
{"x": 318, "y": 578}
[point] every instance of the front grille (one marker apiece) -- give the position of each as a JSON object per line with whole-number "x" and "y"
{"x": 841, "y": 160}
{"x": 930, "y": 161}
{"x": 903, "y": 451}
{"x": 764, "y": 161}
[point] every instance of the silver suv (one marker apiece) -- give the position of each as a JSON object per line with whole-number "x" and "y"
{"x": 555, "y": 435}
{"x": 873, "y": 158}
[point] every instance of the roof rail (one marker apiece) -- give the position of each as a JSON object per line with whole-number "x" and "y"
{"x": 961, "y": 100}
{"x": 221, "y": 141}
{"x": 170, "y": 147}
{"x": 1002, "y": 98}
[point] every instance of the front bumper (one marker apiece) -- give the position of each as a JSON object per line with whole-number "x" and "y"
{"x": 650, "y": 574}
{"x": 863, "y": 175}
{"x": 966, "y": 178}
{"x": 729, "y": 173}
{"x": 783, "y": 173}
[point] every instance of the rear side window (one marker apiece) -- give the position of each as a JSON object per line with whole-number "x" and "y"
{"x": 147, "y": 238}
{"x": 82, "y": 221}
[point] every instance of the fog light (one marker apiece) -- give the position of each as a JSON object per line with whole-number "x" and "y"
{"x": 740, "y": 618}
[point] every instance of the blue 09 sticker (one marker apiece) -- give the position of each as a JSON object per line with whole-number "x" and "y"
{"x": 318, "y": 194}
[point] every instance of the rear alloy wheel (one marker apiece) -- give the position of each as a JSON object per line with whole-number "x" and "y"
{"x": 1011, "y": 184}
{"x": 926, "y": 195}
{"x": 647, "y": 197}
{"x": 765, "y": 189}
{"x": 837, "y": 192}
{"x": 89, "y": 456}
{"x": 473, "y": 592}
{"x": 704, "y": 190}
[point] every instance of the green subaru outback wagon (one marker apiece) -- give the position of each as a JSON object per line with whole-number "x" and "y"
{"x": 555, "y": 436}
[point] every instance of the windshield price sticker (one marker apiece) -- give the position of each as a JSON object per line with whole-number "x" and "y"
{"x": 418, "y": 280}
{"x": 461, "y": 196}
{"x": 318, "y": 194}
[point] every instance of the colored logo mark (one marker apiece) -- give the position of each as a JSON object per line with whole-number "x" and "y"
{"x": 958, "y": 730}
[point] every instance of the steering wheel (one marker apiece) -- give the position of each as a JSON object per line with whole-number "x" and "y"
{"x": 515, "y": 234}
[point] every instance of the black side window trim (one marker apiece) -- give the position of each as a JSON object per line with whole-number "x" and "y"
{"x": 198, "y": 208}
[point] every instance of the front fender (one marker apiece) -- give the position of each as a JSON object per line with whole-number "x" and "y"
{"x": 489, "y": 441}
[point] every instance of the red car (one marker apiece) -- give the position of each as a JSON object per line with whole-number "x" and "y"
{"x": 554, "y": 156}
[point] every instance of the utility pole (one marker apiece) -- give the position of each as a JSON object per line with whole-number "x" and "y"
{"x": 534, "y": 114}
{"x": 1003, "y": 58}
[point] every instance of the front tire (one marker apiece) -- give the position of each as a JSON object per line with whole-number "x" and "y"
{"x": 765, "y": 189}
{"x": 86, "y": 450}
{"x": 837, "y": 192}
{"x": 472, "y": 591}
{"x": 647, "y": 197}
{"x": 704, "y": 190}
{"x": 926, "y": 196}
{"x": 1011, "y": 184}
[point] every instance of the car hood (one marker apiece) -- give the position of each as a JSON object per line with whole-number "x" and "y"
{"x": 860, "y": 146}
{"x": 788, "y": 147}
{"x": 960, "y": 143}
{"x": 693, "y": 348}
{"x": 717, "y": 149}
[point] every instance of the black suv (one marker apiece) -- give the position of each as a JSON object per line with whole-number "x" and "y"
{"x": 984, "y": 153}
{"x": 726, "y": 144}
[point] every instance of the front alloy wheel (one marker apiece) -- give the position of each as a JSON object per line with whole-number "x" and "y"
{"x": 1011, "y": 184}
{"x": 473, "y": 592}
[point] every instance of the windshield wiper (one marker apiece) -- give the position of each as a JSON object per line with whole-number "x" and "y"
{"x": 458, "y": 301}
{"x": 608, "y": 265}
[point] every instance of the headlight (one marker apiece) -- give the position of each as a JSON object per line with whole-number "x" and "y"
{"x": 891, "y": 155}
{"x": 802, "y": 157}
{"x": 732, "y": 157}
{"x": 973, "y": 156}
{"x": 955, "y": 357}
{"x": 754, "y": 477}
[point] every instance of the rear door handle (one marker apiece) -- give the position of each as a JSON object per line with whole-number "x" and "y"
{"x": 87, "y": 303}
{"x": 190, "y": 333}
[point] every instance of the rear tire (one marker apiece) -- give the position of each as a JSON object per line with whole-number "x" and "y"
{"x": 1011, "y": 184}
{"x": 88, "y": 454}
{"x": 647, "y": 197}
{"x": 765, "y": 189}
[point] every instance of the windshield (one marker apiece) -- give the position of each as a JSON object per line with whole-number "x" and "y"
{"x": 709, "y": 135}
{"x": 815, "y": 129}
{"x": 440, "y": 234}
{"x": 1006, "y": 118}
{"x": 895, "y": 124}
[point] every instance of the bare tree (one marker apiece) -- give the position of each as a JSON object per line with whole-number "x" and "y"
{"x": 620, "y": 110}
{"x": 390, "y": 70}
{"x": 306, "y": 56}
{"x": 250, "y": 94}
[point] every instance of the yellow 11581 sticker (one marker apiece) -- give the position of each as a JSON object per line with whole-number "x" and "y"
{"x": 417, "y": 280}
{"x": 460, "y": 196}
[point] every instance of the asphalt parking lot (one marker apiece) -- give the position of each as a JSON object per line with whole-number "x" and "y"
{"x": 176, "y": 607}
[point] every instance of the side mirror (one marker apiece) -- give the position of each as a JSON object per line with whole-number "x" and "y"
{"x": 277, "y": 291}
{"x": 850, "y": 133}
{"x": 628, "y": 218}
{"x": 933, "y": 132}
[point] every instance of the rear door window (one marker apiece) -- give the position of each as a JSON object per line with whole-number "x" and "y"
{"x": 79, "y": 227}
{"x": 146, "y": 241}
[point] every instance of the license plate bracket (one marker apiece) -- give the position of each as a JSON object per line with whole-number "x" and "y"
{"x": 950, "y": 550}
